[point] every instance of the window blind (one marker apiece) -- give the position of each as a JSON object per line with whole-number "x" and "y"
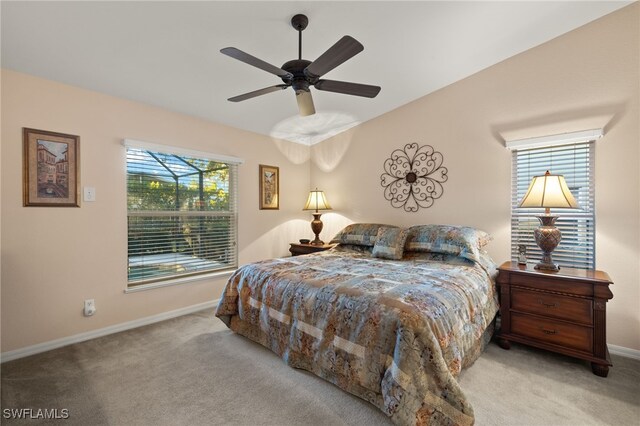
{"x": 181, "y": 215}
{"x": 576, "y": 163}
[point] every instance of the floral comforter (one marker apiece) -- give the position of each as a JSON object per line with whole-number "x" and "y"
{"x": 395, "y": 333}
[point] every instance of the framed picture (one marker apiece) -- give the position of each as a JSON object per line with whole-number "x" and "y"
{"x": 269, "y": 187}
{"x": 51, "y": 164}
{"x": 522, "y": 254}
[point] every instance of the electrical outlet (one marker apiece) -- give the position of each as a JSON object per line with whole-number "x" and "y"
{"x": 89, "y": 307}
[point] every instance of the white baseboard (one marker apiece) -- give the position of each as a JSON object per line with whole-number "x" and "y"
{"x": 625, "y": 352}
{"x": 58, "y": 343}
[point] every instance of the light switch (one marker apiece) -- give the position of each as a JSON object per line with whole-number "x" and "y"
{"x": 89, "y": 193}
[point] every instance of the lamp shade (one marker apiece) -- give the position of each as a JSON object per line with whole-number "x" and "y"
{"x": 549, "y": 191}
{"x": 317, "y": 201}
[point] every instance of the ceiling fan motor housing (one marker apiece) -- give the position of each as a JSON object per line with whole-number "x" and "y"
{"x": 300, "y": 80}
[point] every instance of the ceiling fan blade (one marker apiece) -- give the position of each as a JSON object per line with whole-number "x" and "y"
{"x": 252, "y": 60}
{"x": 305, "y": 103}
{"x": 346, "y": 48}
{"x": 348, "y": 88}
{"x": 259, "y": 92}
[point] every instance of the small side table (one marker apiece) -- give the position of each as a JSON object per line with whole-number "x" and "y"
{"x": 298, "y": 249}
{"x": 564, "y": 311}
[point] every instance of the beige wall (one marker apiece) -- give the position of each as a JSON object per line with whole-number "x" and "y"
{"x": 585, "y": 79}
{"x": 54, "y": 258}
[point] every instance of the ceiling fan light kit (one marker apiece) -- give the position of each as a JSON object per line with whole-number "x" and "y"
{"x": 301, "y": 74}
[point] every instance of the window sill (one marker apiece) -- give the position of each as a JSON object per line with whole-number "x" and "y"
{"x": 178, "y": 281}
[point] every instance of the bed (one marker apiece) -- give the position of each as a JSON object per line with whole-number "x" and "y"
{"x": 390, "y": 314}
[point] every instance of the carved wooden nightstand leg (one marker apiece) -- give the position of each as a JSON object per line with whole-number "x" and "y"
{"x": 504, "y": 344}
{"x": 599, "y": 369}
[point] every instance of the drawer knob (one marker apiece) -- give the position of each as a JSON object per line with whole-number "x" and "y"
{"x": 545, "y": 331}
{"x": 547, "y": 305}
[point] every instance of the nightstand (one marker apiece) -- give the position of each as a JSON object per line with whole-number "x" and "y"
{"x": 564, "y": 311}
{"x": 297, "y": 249}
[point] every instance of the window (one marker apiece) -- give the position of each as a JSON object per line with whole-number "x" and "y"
{"x": 576, "y": 162}
{"x": 181, "y": 213}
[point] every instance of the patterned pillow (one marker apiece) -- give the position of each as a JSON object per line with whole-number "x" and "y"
{"x": 390, "y": 243}
{"x": 353, "y": 248}
{"x": 359, "y": 234}
{"x": 460, "y": 241}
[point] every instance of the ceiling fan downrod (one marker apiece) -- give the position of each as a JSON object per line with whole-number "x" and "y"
{"x": 299, "y": 22}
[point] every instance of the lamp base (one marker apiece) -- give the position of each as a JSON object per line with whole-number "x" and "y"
{"x": 547, "y": 238}
{"x": 543, "y": 266}
{"x": 316, "y": 227}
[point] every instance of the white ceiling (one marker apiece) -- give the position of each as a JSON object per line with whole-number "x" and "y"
{"x": 167, "y": 53}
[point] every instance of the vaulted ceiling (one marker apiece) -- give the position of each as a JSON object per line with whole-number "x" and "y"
{"x": 166, "y": 54}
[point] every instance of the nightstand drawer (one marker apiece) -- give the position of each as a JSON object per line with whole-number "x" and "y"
{"x": 567, "y": 335}
{"x": 300, "y": 249}
{"x": 552, "y": 284}
{"x": 552, "y": 305}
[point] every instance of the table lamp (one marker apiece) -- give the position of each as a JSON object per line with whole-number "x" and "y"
{"x": 548, "y": 191}
{"x": 317, "y": 201}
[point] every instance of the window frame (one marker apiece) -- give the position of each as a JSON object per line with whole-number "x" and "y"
{"x": 231, "y": 213}
{"x": 524, "y": 221}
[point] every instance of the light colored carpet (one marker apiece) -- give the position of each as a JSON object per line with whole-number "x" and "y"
{"x": 193, "y": 371}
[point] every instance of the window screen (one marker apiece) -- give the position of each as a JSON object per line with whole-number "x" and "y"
{"x": 576, "y": 163}
{"x": 181, "y": 215}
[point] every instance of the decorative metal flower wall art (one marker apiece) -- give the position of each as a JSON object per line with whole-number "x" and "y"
{"x": 413, "y": 177}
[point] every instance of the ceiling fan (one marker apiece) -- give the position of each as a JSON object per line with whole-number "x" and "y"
{"x": 302, "y": 74}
